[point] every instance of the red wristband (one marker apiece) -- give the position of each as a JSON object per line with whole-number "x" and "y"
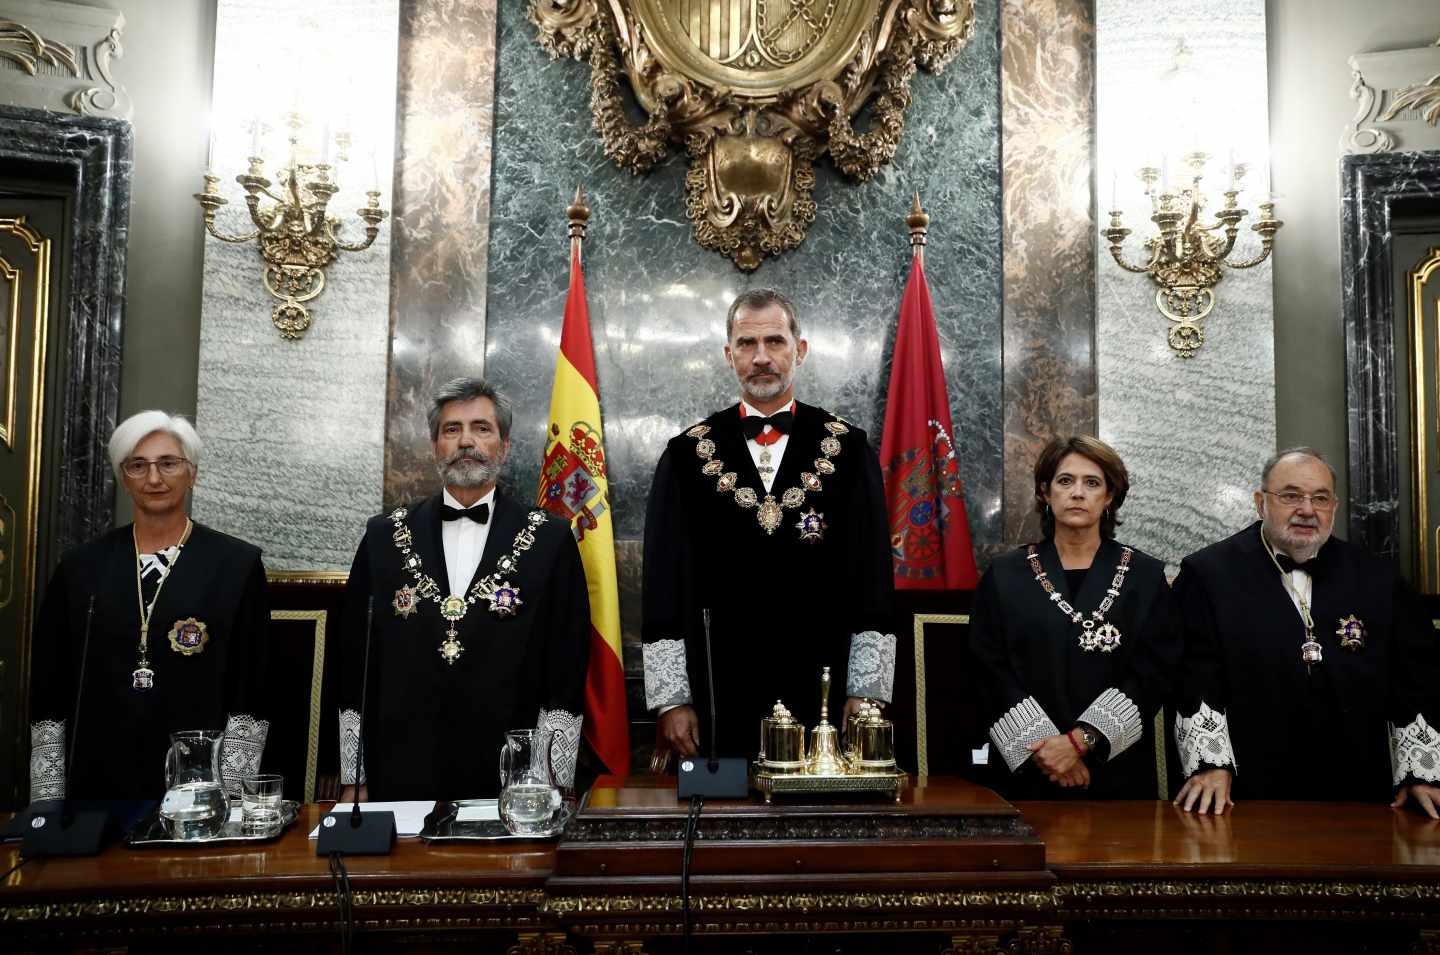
{"x": 1071, "y": 737}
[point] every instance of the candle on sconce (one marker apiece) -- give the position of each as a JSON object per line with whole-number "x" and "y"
{"x": 1232, "y": 169}
{"x": 210, "y": 156}
{"x": 325, "y": 146}
{"x": 1114, "y": 191}
{"x": 374, "y": 172}
{"x": 255, "y": 136}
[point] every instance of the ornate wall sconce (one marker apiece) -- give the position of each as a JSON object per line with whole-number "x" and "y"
{"x": 755, "y": 92}
{"x": 1185, "y": 257}
{"x": 296, "y": 236}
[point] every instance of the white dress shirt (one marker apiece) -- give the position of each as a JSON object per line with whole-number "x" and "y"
{"x": 1301, "y": 586}
{"x": 464, "y": 543}
{"x": 777, "y": 450}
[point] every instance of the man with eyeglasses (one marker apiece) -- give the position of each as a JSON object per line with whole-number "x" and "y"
{"x": 1304, "y": 655}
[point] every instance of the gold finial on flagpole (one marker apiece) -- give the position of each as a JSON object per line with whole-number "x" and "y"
{"x": 578, "y": 213}
{"x": 919, "y": 224}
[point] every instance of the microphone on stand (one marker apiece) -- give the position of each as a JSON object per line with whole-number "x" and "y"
{"x": 66, "y": 830}
{"x": 715, "y": 777}
{"x": 356, "y": 832}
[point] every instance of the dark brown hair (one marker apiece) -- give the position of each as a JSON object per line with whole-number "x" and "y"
{"x": 757, "y": 299}
{"x": 1117, "y": 479}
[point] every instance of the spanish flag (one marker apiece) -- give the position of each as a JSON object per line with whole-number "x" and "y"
{"x": 575, "y": 486}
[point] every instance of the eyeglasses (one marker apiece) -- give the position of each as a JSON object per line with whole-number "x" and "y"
{"x": 140, "y": 467}
{"x": 1323, "y": 501}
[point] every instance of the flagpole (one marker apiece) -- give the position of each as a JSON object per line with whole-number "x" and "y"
{"x": 919, "y": 224}
{"x": 578, "y": 213}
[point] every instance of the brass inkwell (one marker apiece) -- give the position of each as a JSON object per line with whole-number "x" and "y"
{"x": 865, "y": 765}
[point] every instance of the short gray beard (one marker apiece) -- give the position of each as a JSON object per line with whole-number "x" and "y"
{"x": 454, "y": 472}
{"x": 1282, "y": 540}
{"x": 760, "y": 392}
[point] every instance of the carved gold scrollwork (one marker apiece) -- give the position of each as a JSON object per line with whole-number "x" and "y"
{"x": 541, "y": 943}
{"x": 755, "y": 91}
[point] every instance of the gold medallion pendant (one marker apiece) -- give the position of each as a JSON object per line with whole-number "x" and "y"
{"x": 143, "y": 678}
{"x": 771, "y": 516}
{"x": 188, "y": 637}
{"x": 450, "y": 647}
{"x": 1351, "y": 633}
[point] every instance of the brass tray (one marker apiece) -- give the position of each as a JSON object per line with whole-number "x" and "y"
{"x": 153, "y": 831}
{"x": 772, "y": 784}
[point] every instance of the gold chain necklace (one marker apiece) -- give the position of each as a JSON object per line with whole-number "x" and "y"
{"x": 771, "y": 513}
{"x": 143, "y": 677}
{"x": 503, "y": 596}
{"x": 1106, "y": 637}
{"x": 1310, "y": 651}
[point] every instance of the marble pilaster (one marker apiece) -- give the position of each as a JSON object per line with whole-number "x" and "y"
{"x": 1193, "y": 431}
{"x": 1047, "y": 90}
{"x": 441, "y": 222}
{"x": 294, "y": 430}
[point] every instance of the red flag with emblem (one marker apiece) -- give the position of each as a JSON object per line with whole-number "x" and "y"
{"x": 929, "y": 530}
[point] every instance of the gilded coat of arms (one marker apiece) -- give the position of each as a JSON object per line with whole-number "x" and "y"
{"x": 755, "y": 91}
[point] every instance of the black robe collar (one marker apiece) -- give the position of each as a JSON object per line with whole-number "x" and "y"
{"x": 507, "y": 517}
{"x": 1097, "y": 580}
{"x": 732, "y": 448}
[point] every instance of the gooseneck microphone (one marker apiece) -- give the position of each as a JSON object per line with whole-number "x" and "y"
{"x": 357, "y": 832}
{"x": 65, "y": 830}
{"x": 715, "y": 777}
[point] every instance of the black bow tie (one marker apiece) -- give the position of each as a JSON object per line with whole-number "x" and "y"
{"x": 752, "y": 425}
{"x": 480, "y": 515}
{"x": 1289, "y": 565}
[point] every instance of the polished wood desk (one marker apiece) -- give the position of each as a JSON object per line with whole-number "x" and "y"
{"x": 1117, "y": 877}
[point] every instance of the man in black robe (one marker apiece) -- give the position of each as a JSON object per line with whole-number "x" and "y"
{"x": 1303, "y": 655}
{"x": 480, "y": 622}
{"x": 769, "y": 514}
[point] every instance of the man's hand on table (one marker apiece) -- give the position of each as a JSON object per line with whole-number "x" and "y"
{"x": 1059, "y": 759}
{"x": 1210, "y": 788}
{"x": 1427, "y": 798}
{"x": 347, "y": 794}
{"x": 680, "y": 728}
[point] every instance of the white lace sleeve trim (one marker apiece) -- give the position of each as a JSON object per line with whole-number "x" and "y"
{"x": 240, "y": 753}
{"x": 47, "y": 760}
{"x": 1415, "y": 751}
{"x": 1204, "y": 739}
{"x": 872, "y": 665}
{"x": 1025, "y": 723}
{"x": 349, "y": 747}
{"x": 565, "y": 749}
{"x": 1117, "y": 718}
{"x": 666, "y": 681}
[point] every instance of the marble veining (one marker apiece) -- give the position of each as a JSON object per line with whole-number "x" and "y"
{"x": 1371, "y": 186}
{"x": 657, "y": 300}
{"x": 441, "y": 223}
{"x": 294, "y": 430}
{"x": 91, "y": 158}
{"x": 1047, "y": 81}
{"x": 1193, "y": 432}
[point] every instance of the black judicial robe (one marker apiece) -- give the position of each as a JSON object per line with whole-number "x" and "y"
{"x": 433, "y": 730}
{"x": 781, "y": 607}
{"x": 1026, "y": 649}
{"x": 124, "y": 733}
{"x": 1298, "y": 732}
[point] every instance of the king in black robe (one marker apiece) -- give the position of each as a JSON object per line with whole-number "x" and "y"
{"x": 782, "y": 604}
{"x": 1291, "y": 731}
{"x": 124, "y": 733}
{"x": 433, "y": 729}
{"x": 1038, "y": 681}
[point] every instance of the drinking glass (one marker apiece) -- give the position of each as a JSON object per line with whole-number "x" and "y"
{"x": 260, "y": 803}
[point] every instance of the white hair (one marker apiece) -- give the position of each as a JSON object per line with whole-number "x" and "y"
{"x": 136, "y": 428}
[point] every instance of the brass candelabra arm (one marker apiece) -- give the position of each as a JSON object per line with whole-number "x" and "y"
{"x": 263, "y": 222}
{"x": 1116, "y": 236}
{"x": 372, "y": 215}
{"x": 210, "y": 201}
{"x": 1267, "y": 226}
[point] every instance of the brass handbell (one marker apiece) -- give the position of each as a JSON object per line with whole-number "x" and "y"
{"x": 825, "y": 759}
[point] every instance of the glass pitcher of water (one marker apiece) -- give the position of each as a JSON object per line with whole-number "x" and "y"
{"x": 530, "y": 802}
{"x": 194, "y": 806}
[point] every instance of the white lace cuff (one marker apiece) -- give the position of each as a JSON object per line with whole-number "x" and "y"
{"x": 350, "y": 748}
{"x": 1024, "y": 724}
{"x": 872, "y": 665}
{"x": 566, "y": 749}
{"x": 666, "y": 681}
{"x": 1414, "y": 751}
{"x": 1117, "y": 718}
{"x": 1204, "y": 739}
{"x": 241, "y": 751}
{"x": 47, "y": 760}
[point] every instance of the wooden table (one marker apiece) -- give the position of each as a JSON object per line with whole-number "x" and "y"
{"x": 1117, "y": 877}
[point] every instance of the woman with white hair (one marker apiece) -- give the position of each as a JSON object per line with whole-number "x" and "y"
{"x": 176, "y": 636}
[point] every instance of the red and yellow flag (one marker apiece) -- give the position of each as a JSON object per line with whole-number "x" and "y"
{"x": 575, "y": 486}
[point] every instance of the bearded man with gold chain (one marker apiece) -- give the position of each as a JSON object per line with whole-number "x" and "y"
{"x": 1304, "y": 657}
{"x": 177, "y": 638}
{"x": 769, "y": 514}
{"x": 479, "y": 616}
{"x": 1075, "y": 641}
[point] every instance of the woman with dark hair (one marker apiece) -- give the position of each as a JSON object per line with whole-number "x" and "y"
{"x": 1075, "y": 640}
